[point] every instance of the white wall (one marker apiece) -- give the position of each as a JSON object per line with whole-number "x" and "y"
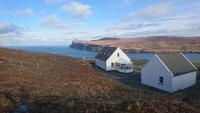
{"x": 125, "y": 70}
{"x": 113, "y": 58}
{"x": 151, "y": 72}
{"x": 100, "y": 63}
{"x": 183, "y": 81}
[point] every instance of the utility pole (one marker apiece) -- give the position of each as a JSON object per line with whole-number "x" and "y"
{"x": 84, "y": 52}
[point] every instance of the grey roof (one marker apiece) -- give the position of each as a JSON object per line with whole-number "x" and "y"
{"x": 105, "y": 53}
{"x": 177, "y": 63}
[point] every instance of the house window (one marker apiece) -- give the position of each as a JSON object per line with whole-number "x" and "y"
{"x": 117, "y": 64}
{"x": 112, "y": 64}
{"x": 118, "y": 54}
{"x": 161, "y": 80}
{"x": 128, "y": 67}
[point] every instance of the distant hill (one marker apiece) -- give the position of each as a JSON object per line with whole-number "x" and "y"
{"x": 109, "y": 38}
{"x": 49, "y": 83}
{"x": 144, "y": 44}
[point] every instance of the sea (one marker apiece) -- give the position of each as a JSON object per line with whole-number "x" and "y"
{"x": 66, "y": 50}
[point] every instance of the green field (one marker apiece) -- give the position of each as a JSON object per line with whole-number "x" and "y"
{"x": 197, "y": 64}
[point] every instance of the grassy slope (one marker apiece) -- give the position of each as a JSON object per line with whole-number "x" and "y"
{"x": 197, "y": 64}
{"x": 62, "y": 84}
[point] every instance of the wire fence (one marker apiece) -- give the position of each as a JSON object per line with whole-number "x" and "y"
{"x": 23, "y": 64}
{"x": 26, "y": 63}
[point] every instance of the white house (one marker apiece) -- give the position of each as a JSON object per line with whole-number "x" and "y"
{"x": 113, "y": 58}
{"x": 169, "y": 72}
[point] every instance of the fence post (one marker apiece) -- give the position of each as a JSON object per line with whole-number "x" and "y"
{"x": 21, "y": 63}
{"x": 37, "y": 65}
{"x": 9, "y": 67}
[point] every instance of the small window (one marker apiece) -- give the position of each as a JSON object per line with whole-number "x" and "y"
{"x": 112, "y": 64}
{"x": 161, "y": 80}
{"x": 118, "y": 54}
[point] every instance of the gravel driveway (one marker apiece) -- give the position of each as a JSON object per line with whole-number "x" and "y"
{"x": 132, "y": 80}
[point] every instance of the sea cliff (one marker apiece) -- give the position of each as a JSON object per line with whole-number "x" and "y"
{"x": 143, "y": 44}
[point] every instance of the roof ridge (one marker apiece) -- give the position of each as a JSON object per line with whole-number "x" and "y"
{"x": 188, "y": 61}
{"x": 164, "y": 65}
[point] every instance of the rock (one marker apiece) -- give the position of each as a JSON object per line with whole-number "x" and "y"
{"x": 21, "y": 109}
{"x": 129, "y": 107}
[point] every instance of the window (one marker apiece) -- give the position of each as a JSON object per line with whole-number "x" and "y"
{"x": 112, "y": 64}
{"x": 118, "y": 54}
{"x": 117, "y": 64}
{"x": 161, "y": 80}
{"x": 128, "y": 67}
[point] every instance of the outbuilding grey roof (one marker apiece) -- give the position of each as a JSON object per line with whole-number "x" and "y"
{"x": 177, "y": 63}
{"x": 105, "y": 53}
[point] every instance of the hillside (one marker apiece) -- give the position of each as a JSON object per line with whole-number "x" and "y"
{"x": 144, "y": 44}
{"x": 49, "y": 83}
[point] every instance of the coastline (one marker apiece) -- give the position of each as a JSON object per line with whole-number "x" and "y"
{"x": 155, "y": 44}
{"x": 79, "y": 53}
{"x": 97, "y": 48}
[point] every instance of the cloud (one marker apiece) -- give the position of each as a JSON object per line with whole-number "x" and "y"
{"x": 181, "y": 26}
{"x": 10, "y": 33}
{"x": 36, "y": 37}
{"x": 23, "y": 12}
{"x": 178, "y": 17}
{"x": 122, "y": 3}
{"x": 70, "y": 6}
{"x": 55, "y": 1}
{"x": 6, "y": 28}
{"x": 153, "y": 11}
{"x": 128, "y": 1}
{"x": 28, "y": 12}
{"x": 131, "y": 26}
{"x": 175, "y": 28}
{"x": 53, "y": 21}
{"x": 77, "y": 9}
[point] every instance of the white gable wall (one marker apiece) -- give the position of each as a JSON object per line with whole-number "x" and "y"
{"x": 183, "y": 81}
{"x": 151, "y": 72}
{"x": 113, "y": 58}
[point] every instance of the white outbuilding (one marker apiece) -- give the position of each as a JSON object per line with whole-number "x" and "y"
{"x": 113, "y": 58}
{"x": 169, "y": 72}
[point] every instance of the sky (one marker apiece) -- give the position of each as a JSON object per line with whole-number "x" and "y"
{"x": 58, "y": 22}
